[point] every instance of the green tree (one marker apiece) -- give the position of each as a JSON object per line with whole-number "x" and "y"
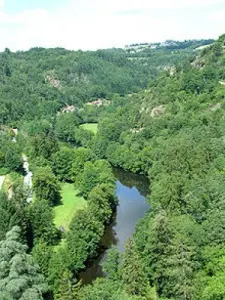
{"x": 82, "y": 155}
{"x": 156, "y": 249}
{"x": 84, "y": 137}
{"x": 62, "y": 162}
{"x": 93, "y": 174}
{"x": 42, "y": 254}
{"x": 214, "y": 227}
{"x": 218, "y": 48}
{"x": 65, "y": 126}
{"x": 180, "y": 269}
{"x": 103, "y": 289}
{"x": 44, "y": 145}
{"x": 99, "y": 146}
{"x": 41, "y": 219}
{"x": 133, "y": 275}
{"x": 19, "y": 276}
{"x": 83, "y": 238}
{"x": 59, "y": 263}
{"x": 111, "y": 265}
{"x": 45, "y": 186}
{"x": 37, "y": 127}
{"x": 9, "y": 216}
{"x": 99, "y": 203}
{"x": 209, "y": 282}
{"x": 67, "y": 289}
{"x": 12, "y": 159}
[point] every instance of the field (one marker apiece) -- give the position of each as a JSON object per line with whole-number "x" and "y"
{"x": 71, "y": 202}
{"x": 93, "y": 127}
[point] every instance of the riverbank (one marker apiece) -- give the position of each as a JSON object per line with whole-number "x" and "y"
{"x": 131, "y": 191}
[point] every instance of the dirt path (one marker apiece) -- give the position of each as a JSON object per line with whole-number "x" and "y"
{"x": 2, "y": 178}
{"x": 27, "y": 178}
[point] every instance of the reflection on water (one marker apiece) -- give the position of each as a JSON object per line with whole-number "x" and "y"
{"x": 128, "y": 179}
{"x": 131, "y": 191}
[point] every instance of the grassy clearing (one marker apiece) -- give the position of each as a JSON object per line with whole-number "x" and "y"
{"x": 93, "y": 127}
{"x": 71, "y": 202}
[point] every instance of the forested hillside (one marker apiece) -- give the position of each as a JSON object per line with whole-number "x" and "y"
{"x": 49, "y": 79}
{"x": 174, "y": 132}
{"x": 80, "y": 113}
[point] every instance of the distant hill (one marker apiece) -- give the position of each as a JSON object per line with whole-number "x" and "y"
{"x": 41, "y": 81}
{"x": 169, "y": 44}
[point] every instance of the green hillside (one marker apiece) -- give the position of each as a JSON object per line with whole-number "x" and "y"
{"x": 41, "y": 81}
{"x": 158, "y": 111}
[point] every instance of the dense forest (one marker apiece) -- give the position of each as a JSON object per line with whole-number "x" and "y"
{"x": 72, "y": 116}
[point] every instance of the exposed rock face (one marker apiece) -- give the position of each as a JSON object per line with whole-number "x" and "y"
{"x": 137, "y": 130}
{"x": 215, "y": 107}
{"x": 158, "y": 110}
{"x": 99, "y": 102}
{"x": 68, "y": 108}
{"x": 51, "y": 78}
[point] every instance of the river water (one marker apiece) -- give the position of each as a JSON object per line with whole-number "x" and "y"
{"x": 131, "y": 191}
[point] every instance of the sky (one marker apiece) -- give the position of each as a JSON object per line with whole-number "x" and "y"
{"x": 95, "y": 24}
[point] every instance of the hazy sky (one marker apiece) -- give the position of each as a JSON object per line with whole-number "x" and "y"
{"x": 92, "y": 24}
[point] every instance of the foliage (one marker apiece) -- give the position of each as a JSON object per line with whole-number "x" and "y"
{"x": 162, "y": 115}
{"x": 83, "y": 238}
{"x": 62, "y": 162}
{"x": 41, "y": 219}
{"x": 46, "y": 186}
{"x": 103, "y": 289}
{"x": 83, "y": 137}
{"x": 58, "y": 264}
{"x": 9, "y": 217}
{"x": 174, "y": 132}
{"x": 111, "y": 265}
{"x": 42, "y": 254}
{"x": 10, "y": 158}
{"x": 67, "y": 289}
{"x": 133, "y": 275}
{"x": 44, "y": 145}
{"x": 82, "y": 155}
{"x": 93, "y": 174}
{"x": 19, "y": 276}
{"x": 101, "y": 202}
{"x": 65, "y": 126}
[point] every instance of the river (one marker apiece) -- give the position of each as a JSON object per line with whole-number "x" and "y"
{"x": 131, "y": 191}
